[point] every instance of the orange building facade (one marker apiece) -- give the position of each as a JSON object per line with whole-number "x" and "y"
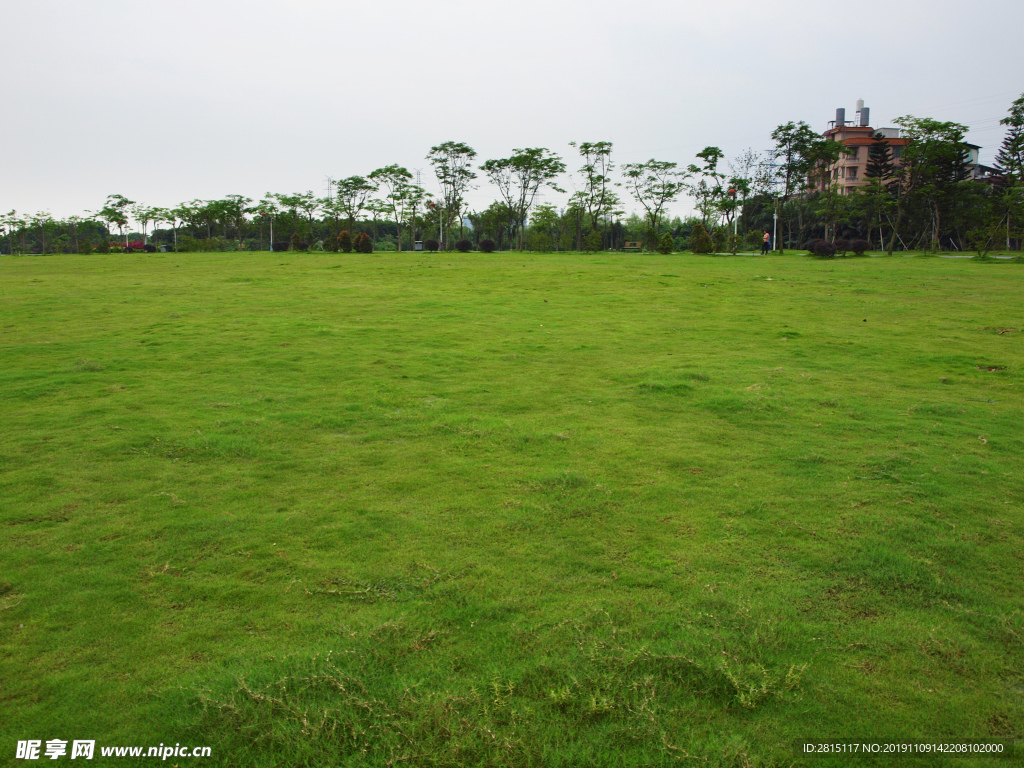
{"x": 848, "y": 173}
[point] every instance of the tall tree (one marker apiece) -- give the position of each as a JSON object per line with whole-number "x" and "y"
{"x": 352, "y": 195}
{"x": 496, "y": 222}
{"x": 877, "y": 192}
{"x": 792, "y": 164}
{"x": 115, "y": 212}
{"x": 598, "y": 196}
{"x": 792, "y": 144}
{"x": 143, "y": 214}
{"x": 1010, "y": 160}
{"x": 654, "y": 185}
{"x": 202, "y": 213}
{"x": 546, "y": 227}
{"x": 333, "y": 209}
{"x": 11, "y": 222}
{"x": 1011, "y": 154}
{"x": 707, "y": 189}
{"x": 235, "y": 207}
{"x": 452, "y": 163}
{"x": 821, "y": 155}
{"x": 378, "y": 209}
{"x": 880, "y": 165}
{"x": 933, "y": 162}
{"x": 746, "y": 169}
{"x": 576, "y": 214}
{"x": 41, "y": 220}
{"x": 158, "y": 215}
{"x": 266, "y": 209}
{"x": 520, "y": 177}
{"x": 396, "y": 181}
{"x": 415, "y": 198}
{"x": 178, "y": 216}
{"x": 73, "y": 223}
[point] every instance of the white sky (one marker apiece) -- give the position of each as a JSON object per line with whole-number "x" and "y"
{"x": 168, "y": 101}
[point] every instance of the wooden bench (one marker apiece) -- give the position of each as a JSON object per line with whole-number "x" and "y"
{"x": 628, "y": 246}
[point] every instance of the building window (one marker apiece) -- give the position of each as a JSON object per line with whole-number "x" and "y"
{"x": 851, "y": 171}
{"x": 854, "y": 154}
{"x": 897, "y": 152}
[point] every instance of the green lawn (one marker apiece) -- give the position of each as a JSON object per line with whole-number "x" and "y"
{"x": 509, "y": 510}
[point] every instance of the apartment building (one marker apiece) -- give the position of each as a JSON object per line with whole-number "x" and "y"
{"x": 858, "y": 136}
{"x": 848, "y": 173}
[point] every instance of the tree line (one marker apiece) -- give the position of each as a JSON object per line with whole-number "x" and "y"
{"x": 926, "y": 199}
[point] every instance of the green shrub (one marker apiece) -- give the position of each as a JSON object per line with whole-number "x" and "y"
{"x": 733, "y": 244}
{"x": 538, "y": 241}
{"x": 431, "y": 245}
{"x": 823, "y": 249}
{"x": 718, "y": 240}
{"x": 84, "y": 246}
{"x": 345, "y": 241}
{"x": 592, "y": 241}
{"x": 666, "y": 243}
{"x": 700, "y": 240}
{"x": 487, "y": 245}
{"x": 385, "y": 245}
{"x": 103, "y": 246}
{"x": 363, "y": 243}
{"x": 981, "y": 241}
{"x": 188, "y": 244}
{"x": 463, "y": 245}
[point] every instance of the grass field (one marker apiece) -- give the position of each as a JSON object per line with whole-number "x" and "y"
{"x": 520, "y": 510}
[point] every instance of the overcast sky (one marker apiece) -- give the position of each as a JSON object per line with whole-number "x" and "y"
{"x": 168, "y": 101}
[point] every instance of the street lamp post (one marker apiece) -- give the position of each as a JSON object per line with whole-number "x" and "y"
{"x": 775, "y": 225}
{"x": 735, "y": 212}
{"x": 264, "y": 215}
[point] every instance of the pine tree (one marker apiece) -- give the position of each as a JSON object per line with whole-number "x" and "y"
{"x": 879, "y": 173}
{"x": 880, "y": 165}
{"x": 1010, "y": 157}
{"x": 1010, "y": 160}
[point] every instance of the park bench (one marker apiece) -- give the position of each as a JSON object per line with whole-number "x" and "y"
{"x": 632, "y": 246}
